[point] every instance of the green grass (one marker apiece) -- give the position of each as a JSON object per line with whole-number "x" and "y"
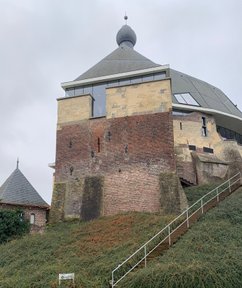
{"x": 90, "y": 250}
{"x": 194, "y": 193}
{"x": 208, "y": 255}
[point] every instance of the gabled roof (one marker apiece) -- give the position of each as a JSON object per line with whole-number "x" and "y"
{"x": 17, "y": 190}
{"x": 123, "y": 59}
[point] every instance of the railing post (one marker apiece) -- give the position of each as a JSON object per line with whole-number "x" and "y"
{"x": 187, "y": 219}
{"x": 145, "y": 256}
{"x": 217, "y": 195}
{"x": 112, "y": 280}
{"x": 169, "y": 235}
{"x": 202, "y": 205}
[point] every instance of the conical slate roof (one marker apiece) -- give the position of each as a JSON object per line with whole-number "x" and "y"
{"x": 17, "y": 190}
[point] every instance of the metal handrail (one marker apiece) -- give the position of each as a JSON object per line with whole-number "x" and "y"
{"x": 184, "y": 217}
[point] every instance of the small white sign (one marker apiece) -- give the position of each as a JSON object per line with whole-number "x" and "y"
{"x": 66, "y": 276}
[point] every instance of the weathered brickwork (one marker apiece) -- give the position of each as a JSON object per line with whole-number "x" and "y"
{"x": 128, "y": 153}
{"x": 40, "y": 216}
{"x": 198, "y": 169}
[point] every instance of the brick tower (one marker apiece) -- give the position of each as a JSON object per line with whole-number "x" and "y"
{"x": 115, "y": 146}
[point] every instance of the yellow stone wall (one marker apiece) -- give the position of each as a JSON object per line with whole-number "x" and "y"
{"x": 74, "y": 109}
{"x": 191, "y": 134}
{"x": 144, "y": 98}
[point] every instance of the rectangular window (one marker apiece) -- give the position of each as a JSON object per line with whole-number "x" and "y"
{"x": 70, "y": 92}
{"x": 192, "y": 147}
{"x": 207, "y": 150}
{"x": 32, "y": 218}
{"x": 136, "y": 80}
{"x": 186, "y": 98}
{"x": 87, "y": 90}
{"x": 204, "y": 127}
{"x": 124, "y": 82}
{"x": 160, "y": 76}
{"x": 79, "y": 91}
{"x": 148, "y": 78}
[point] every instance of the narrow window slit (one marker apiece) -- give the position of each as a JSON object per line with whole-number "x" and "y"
{"x": 98, "y": 145}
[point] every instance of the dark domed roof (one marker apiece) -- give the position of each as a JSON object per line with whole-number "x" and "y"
{"x": 127, "y": 36}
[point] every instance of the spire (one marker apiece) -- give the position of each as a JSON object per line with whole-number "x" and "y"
{"x": 125, "y": 18}
{"x": 126, "y": 35}
{"x": 17, "y": 163}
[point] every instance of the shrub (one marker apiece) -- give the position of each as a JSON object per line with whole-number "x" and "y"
{"x": 12, "y": 224}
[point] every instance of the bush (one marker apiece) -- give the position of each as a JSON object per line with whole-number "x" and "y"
{"x": 12, "y": 224}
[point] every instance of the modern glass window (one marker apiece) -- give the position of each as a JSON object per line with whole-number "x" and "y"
{"x": 98, "y": 91}
{"x": 148, "y": 78}
{"x": 99, "y": 105}
{"x": 113, "y": 83}
{"x": 160, "y": 76}
{"x": 32, "y": 218}
{"x": 136, "y": 80}
{"x": 180, "y": 112}
{"x": 79, "y": 91}
{"x": 186, "y": 98}
{"x": 87, "y": 90}
{"x": 70, "y": 92}
{"x": 229, "y": 134}
{"x": 124, "y": 82}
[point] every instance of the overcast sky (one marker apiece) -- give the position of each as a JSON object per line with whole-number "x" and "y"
{"x": 46, "y": 42}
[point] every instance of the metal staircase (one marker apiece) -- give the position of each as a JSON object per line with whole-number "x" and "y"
{"x": 174, "y": 230}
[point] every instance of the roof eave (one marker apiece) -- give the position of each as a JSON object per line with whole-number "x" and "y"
{"x": 47, "y": 207}
{"x": 70, "y": 84}
{"x": 223, "y": 117}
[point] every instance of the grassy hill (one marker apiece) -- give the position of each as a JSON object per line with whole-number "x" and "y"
{"x": 209, "y": 255}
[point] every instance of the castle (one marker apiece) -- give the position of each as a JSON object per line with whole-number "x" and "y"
{"x": 130, "y": 132}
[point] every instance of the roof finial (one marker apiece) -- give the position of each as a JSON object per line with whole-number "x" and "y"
{"x": 125, "y": 18}
{"x": 17, "y": 162}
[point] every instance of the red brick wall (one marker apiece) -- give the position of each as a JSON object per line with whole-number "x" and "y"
{"x": 133, "y": 152}
{"x": 40, "y": 215}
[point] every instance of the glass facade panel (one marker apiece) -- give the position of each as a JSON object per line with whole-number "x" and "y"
{"x": 229, "y": 134}
{"x": 124, "y": 82}
{"x": 160, "y": 76}
{"x": 136, "y": 80}
{"x": 180, "y": 99}
{"x": 99, "y": 105}
{"x": 189, "y": 99}
{"x": 148, "y": 78}
{"x": 186, "y": 98}
{"x": 113, "y": 83}
{"x": 79, "y": 91}
{"x": 70, "y": 92}
{"x": 99, "y": 94}
{"x": 87, "y": 90}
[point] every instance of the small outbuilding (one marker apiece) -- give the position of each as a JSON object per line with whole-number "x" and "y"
{"x": 17, "y": 192}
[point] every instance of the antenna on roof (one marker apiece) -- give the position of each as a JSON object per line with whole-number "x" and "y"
{"x": 125, "y": 18}
{"x": 17, "y": 162}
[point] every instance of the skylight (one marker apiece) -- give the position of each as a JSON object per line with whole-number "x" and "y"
{"x": 186, "y": 98}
